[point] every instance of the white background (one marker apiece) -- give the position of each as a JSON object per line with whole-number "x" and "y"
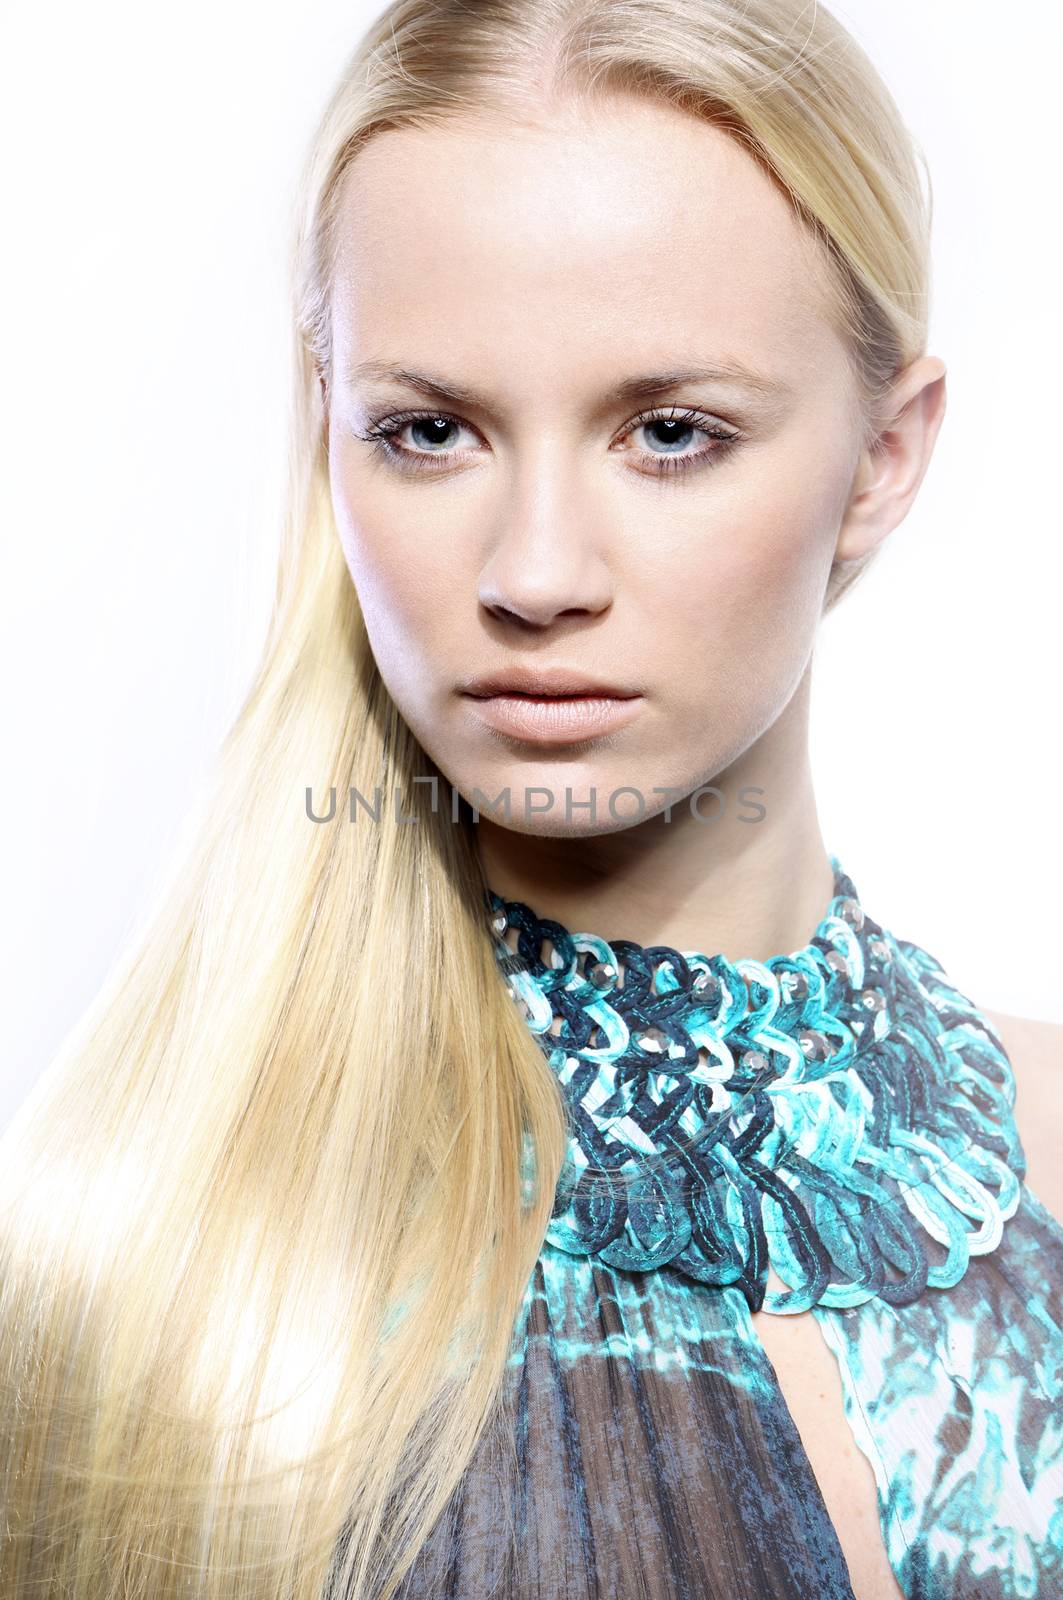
{"x": 149, "y": 161}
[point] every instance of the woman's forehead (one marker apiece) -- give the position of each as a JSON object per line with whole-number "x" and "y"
{"x": 595, "y": 227}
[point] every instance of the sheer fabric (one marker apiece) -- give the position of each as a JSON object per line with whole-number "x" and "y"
{"x": 653, "y": 1456}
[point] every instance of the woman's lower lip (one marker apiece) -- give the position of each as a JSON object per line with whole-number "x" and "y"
{"x": 556, "y": 720}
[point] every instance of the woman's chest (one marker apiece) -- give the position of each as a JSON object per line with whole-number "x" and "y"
{"x": 808, "y": 1376}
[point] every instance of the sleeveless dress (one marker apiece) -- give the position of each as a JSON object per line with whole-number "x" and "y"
{"x": 845, "y": 1114}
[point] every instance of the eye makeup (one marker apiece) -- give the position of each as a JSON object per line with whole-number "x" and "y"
{"x": 385, "y": 432}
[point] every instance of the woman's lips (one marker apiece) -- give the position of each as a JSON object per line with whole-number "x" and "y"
{"x": 556, "y": 719}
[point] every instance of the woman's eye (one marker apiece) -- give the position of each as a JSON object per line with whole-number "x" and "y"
{"x": 428, "y": 434}
{"x": 670, "y": 435}
{"x": 431, "y": 433}
{"x": 431, "y": 436}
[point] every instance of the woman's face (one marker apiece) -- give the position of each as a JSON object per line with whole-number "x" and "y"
{"x": 674, "y": 544}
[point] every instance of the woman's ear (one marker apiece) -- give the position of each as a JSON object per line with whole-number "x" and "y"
{"x": 891, "y": 468}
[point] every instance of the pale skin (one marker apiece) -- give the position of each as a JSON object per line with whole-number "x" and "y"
{"x": 538, "y": 266}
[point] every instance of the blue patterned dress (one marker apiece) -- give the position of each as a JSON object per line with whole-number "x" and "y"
{"x": 844, "y": 1114}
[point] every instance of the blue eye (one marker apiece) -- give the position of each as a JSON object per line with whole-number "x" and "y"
{"x": 679, "y": 428}
{"x": 430, "y": 427}
{"x": 384, "y": 434}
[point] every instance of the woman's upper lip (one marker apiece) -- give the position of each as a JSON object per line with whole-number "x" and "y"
{"x": 549, "y": 682}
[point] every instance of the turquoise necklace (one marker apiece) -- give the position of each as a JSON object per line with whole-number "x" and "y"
{"x": 842, "y": 1112}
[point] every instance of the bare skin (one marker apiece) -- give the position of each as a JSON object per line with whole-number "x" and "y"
{"x": 1035, "y": 1050}
{"x": 808, "y": 1375}
{"x": 537, "y": 266}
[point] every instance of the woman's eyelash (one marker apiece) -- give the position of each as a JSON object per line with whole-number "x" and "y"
{"x": 383, "y": 432}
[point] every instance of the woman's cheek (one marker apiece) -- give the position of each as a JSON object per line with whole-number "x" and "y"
{"x": 749, "y": 617}
{"x": 395, "y": 567}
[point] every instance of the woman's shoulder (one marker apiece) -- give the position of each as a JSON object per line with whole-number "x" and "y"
{"x": 1035, "y": 1050}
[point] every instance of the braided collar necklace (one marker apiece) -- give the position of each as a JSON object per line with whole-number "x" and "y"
{"x": 837, "y": 1112}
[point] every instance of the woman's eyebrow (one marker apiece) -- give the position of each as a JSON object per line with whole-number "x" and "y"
{"x": 644, "y": 386}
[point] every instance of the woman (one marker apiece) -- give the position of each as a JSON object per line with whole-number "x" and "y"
{"x": 328, "y": 1269}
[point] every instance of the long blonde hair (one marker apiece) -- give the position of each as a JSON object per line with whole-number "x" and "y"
{"x": 266, "y": 1219}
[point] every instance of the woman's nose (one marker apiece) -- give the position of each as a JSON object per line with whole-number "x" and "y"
{"x": 547, "y": 549}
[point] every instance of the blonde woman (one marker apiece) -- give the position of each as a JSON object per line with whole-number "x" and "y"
{"x": 485, "y": 1178}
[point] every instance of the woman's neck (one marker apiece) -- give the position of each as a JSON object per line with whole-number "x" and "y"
{"x": 739, "y": 888}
